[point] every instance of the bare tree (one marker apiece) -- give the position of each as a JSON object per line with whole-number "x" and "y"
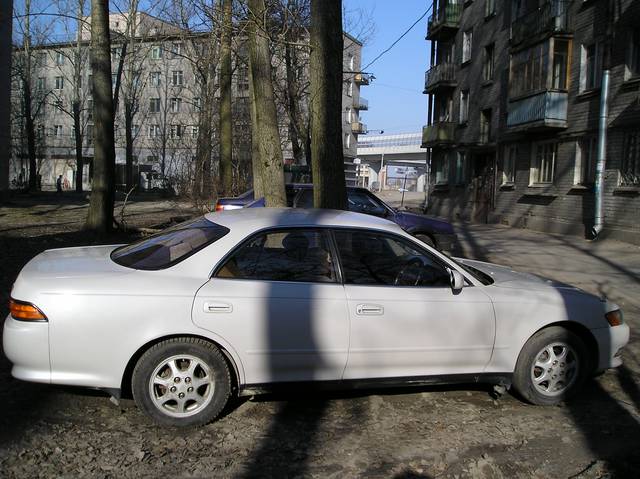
{"x": 100, "y": 215}
{"x": 326, "y": 99}
{"x": 5, "y": 94}
{"x": 267, "y": 136}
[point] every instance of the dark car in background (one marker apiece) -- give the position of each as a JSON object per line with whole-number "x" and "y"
{"x": 431, "y": 231}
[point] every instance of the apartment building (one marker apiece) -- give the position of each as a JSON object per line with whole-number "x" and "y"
{"x": 514, "y": 101}
{"x": 167, "y": 94}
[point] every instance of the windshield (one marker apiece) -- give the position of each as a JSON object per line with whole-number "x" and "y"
{"x": 170, "y": 246}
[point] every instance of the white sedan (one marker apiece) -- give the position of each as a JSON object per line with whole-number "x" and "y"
{"x": 234, "y": 302}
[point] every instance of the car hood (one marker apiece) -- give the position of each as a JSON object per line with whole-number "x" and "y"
{"x": 506, "y": 277}
{"x": 410, "y": 221}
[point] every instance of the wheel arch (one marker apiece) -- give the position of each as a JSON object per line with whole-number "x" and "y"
{"x": 583, "y": 333}
{"x": 125, "y": 384}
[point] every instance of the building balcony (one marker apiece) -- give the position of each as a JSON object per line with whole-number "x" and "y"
{"x": 445, "y": 20}
{"x": 362, "y": 79}
{"x": 358, "y": 128}
{"x": 440, "y": 76}
{"x": 361, "y": 104}
{"x": 545, "y": 110}
{"x": 550, "y": 18}
{"x": 442, "y": 133}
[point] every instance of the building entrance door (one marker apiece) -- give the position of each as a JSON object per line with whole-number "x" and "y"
{"x": 482, "y": 177}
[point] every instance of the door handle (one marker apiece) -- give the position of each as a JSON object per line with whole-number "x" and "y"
{"x": 215, "y": 307}
{"x": 369, "y": 310}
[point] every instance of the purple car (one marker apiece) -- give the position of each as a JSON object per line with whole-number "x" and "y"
{"x": 431, "y": 231}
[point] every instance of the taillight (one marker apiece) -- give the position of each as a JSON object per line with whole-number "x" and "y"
{"x": 219, "y": 207}
{"x": 23, "y": 311}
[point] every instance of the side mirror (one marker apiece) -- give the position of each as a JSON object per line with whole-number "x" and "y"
{"x": 457, "y": 280}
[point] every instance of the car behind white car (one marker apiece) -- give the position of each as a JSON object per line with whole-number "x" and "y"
{"x": 235, "y": 302}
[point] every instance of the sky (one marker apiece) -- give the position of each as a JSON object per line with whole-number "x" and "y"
{"x": 396, "y": 101}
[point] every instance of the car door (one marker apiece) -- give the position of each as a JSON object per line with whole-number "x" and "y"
{"x": 278, "y": 302}
{"x": 405, "y": 318}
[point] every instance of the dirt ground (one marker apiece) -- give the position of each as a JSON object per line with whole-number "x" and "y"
{"x": 459, "y": 431}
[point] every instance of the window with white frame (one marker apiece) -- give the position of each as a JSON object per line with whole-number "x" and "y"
{"x": 156, "y": 52}
{"x": 154, "y": 78}
{"x": 175, "y": 103}
{"x": 543, "y": 163}
{"x": 60, "y": 58}
{"x": 177, "y": 78}
{"x": 176, "y": 49}
{"x": 59, "y": 83}
{"x": 195, "y": 130}
{"x": 464, "y": 106}
{"x": 461, "y": 168}
{"x": 441, "y": 169}
{"x": 467, "y": 39}
{"x": 590, "y": 66}
{"x": 585, "y": 161}
{"x": 630, "y": 169}
{"x": 41, "y": 83}
{"x": 154, "y": 131}
{"x": 509, "y": 165}
{"x": 154, "y": 105}
{"x": 175, "y": 131}
{"x": 57, "y": 131}
{"x": 633, "y": 54}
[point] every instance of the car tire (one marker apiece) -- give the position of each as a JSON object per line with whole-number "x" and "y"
{"x": 182, "y": 382}
{"x": 551, "y": 367}
{"x": 426, "y": 239}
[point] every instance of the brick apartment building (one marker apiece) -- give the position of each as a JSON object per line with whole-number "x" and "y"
{"x": 514, "y": 102}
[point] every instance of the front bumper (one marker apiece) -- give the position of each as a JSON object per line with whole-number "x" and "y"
{"x": 26, "y": 345}
{"x": 611, "y": 340}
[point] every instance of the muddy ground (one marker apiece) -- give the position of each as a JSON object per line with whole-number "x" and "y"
{"x": 457, "y": 431}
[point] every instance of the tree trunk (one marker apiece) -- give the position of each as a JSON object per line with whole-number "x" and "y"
{"x": 128, "y": 133}
{"x": 31, "y": 134}
{"x": 292, "y": 103}
{"x": 256, "y": 167}
{"x": 77, "y": 130}
{"x": 267, "y": 137}
{"x": 226, "y": 132}
{"x": 100, "y": 216}
{"x": 329, "y": 188}
{"x": 6, "y": 52}
{"x": 77, "y": 78}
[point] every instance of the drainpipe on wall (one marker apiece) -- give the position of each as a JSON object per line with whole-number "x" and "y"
{"x": 602, "y": 154}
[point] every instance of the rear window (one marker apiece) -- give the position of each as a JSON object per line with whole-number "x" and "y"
{"x": 170, "y": 246}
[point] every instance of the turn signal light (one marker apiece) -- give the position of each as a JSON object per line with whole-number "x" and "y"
{"x": 614, "y": 317}
{"x": 23, "y": 311}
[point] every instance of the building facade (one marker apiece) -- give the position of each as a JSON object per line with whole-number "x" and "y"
{"x": 514, "y": 103}
{"x": 161, "y": 77}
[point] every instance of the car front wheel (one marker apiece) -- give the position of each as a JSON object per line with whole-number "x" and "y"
{"x": 182, "y": 382}
{"x": 551, "y": 367}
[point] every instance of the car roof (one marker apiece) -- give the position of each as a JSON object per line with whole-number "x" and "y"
{"x": 253, "y": 219}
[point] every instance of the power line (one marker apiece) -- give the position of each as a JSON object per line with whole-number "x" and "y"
{"x": 399, "y": 38}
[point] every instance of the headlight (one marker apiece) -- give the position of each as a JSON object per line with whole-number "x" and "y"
{"x": 614, "y": 318}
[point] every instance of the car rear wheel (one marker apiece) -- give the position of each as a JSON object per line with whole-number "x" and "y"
{"x": 182, "y": 382}
{"x": 426, "y": 239}
{"x": 551, "y": 367}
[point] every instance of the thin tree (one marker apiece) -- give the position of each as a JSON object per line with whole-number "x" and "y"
{"x": 266, "y": 134}
{"x": 100, "y": 216}
{"x": 225, "y": 119}
{"x": 5, "y": 95}
{"x": 329, "y": 187}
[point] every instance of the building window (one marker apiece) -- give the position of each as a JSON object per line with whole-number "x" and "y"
{"x": 59, "y": 58}
{"x": 116, "y": 53}
{"x": 152, "y": 159}
{"x": 176, "y": 131}
{"x": 350, "y": 61}
{"x": 195, "y": 130}
{"x": 630, "y": 173}
{"x": 347, "y": 140}
{"x": 154, "y": 105}
{"x": 88, "y": 134}
{"x": 560, "y": 64}
{"x": 489, "y": 8}
{"x": 154, "y": 131}
{"x": 591, "y": 66}
{"x": 487, "y": 70}
{"x": 197, "y": 104}
{"x": 467, "y": 38}
{"x": 175, "y": 105}
{"x": 176, "y": 49}
{"x": 42, "y": 59}
{"x": 441, "y": 169}
{"x": 59, "y": 83}
{"x": 585, "y": 163}
{"x": 461, "y": 168}
{"x": 543, "y": 163}
{"x": 347, "y": 116}
{"x": 529, "y": 70}
{"x": 135, "y": 130}
{"x": 59, "y": 105}
{"x": 350, "y": 89}
{"x": 57, "y": 131}
{"x": 114, "y": 80}
{"x": 41, "y": 83}
{"x": 464, "y": 106}
{"x": 485, "y": 126}
{"x": 156, "y": 52}
{"x": 154, "y": 78}
{"x": 177, "y": 78}
{"x": 633, "y": 53}
{"x": 509, "y": 165}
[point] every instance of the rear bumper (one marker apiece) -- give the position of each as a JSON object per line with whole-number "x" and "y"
{"x": 26, "y": 345}
{"x": 611, "y": 341}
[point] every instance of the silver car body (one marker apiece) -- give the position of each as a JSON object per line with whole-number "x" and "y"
{"x": 101, "y": 315}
